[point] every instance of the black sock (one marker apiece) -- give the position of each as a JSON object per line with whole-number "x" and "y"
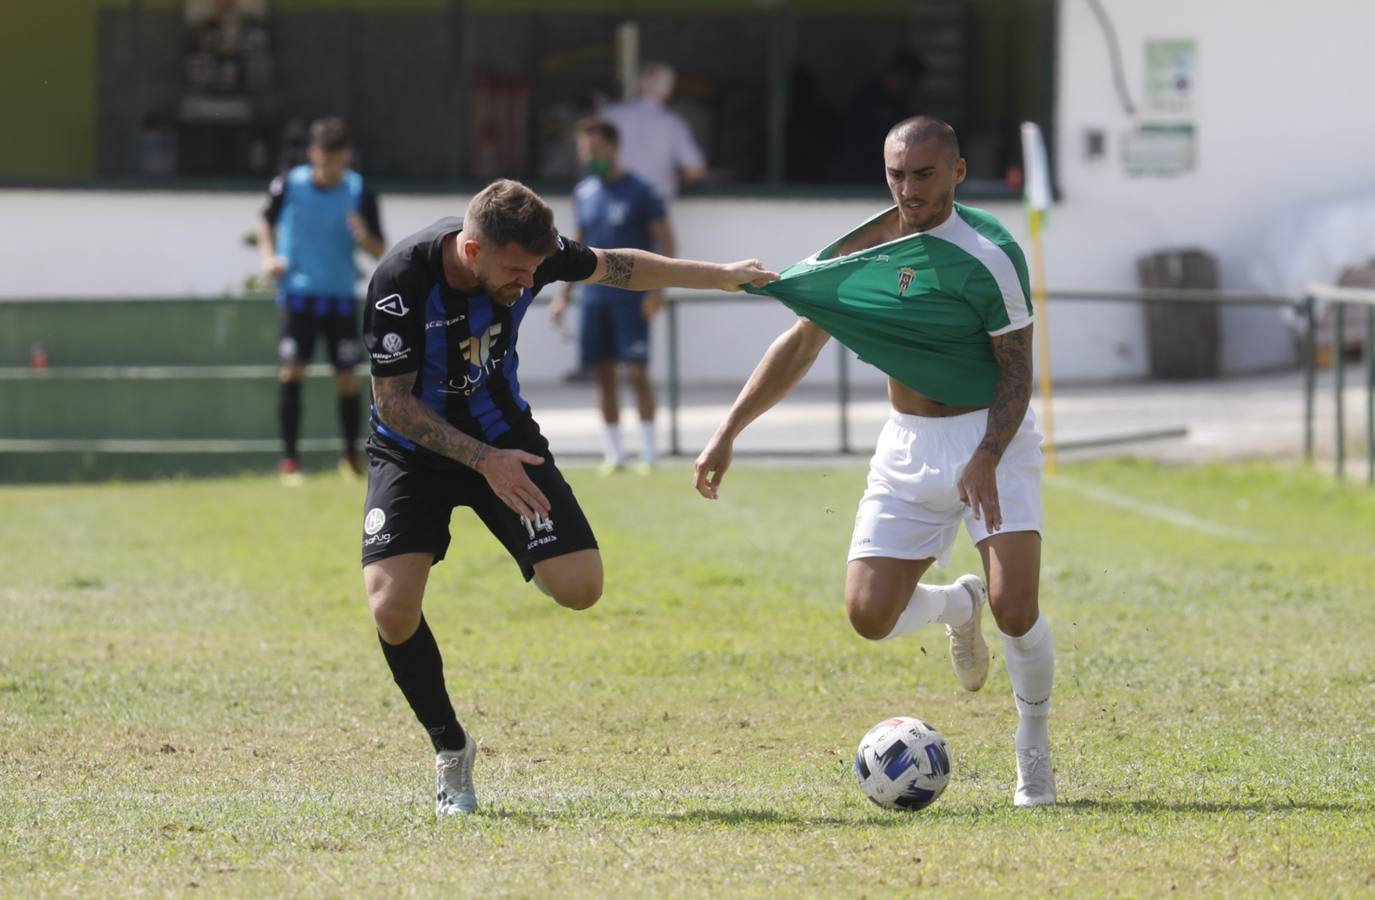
{"x": 289, "y": 415}
{"x": 349, "y": 421}
{"x": 419, "y": 672}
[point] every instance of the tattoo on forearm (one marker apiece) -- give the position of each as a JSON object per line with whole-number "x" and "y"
{"x": 618, "y": 268}
{"x": 403, "y": 412}
{"x": 1013, "y": 392}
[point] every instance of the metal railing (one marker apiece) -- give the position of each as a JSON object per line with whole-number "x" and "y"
{"x": 1339, "y": 298}
{"x": 1305, "y": 307}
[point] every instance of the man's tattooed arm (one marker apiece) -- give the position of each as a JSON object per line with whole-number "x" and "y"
{"x": 406, "y": 414}
{"x": 1013, "y": 392}
{"x": 619, "y": 266}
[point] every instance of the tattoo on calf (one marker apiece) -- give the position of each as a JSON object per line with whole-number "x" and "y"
{"x": 1012, "y": 395}
{"x": 618, "y": 268}
{"x": 404, "y": 413}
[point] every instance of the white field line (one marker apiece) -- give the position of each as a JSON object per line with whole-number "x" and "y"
{"x": 1160, "y": 511}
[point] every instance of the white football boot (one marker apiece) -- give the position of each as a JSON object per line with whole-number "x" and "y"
{"x": 1035, "y": 778}
{"x": 453, "y": 775}
{"x": 968, "y": 649}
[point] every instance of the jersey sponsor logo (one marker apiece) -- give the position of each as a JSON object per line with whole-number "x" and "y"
{"x": 617, "y": 212}
{"x": 391, "y": 342}
{"x": 905, "y": 277}
{"x": 482, "y": 361}
{"x": 442, "y": 323}
{"x": 392, "y": 305}
{"x": 374, "y": 520}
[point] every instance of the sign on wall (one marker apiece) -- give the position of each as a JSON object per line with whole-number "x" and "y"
{"x": 1166, "y": 147}
{"x": 1156, "y": 149}
{"x": 1171, "y": 70}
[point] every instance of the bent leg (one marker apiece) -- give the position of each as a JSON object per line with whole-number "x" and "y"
{"x": 879, "y": 590}
{"x": 574, "y": 579}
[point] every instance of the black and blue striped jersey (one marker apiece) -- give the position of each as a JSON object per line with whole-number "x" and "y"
{"x": 461, "y": 346}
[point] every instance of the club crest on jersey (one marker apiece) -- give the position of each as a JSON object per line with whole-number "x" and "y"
{"x": 905, "y": 276}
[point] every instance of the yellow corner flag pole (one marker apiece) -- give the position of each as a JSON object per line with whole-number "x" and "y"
{"x": 1037, "y": 199}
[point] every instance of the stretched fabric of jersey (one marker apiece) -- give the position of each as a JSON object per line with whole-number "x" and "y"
{"x": 922, "y": 308}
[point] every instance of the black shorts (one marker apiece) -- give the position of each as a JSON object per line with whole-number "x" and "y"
{"x": 305, "y": 318}
{"x": 409, "y": 504}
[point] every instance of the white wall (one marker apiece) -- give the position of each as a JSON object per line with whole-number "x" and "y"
{"x": 1281, "y": 121}
{"x": 1280, "y": 110}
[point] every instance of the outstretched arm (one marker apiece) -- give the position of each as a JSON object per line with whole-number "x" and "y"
{"x": 785, "y": 362}
{"x": 640, "y": 270}
{"x": 1011, "y": 397}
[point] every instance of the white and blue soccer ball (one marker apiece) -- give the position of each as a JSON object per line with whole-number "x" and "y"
{"x": 903, "y": 763}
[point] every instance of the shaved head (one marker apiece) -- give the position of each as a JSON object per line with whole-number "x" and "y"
{"x": 922, "y": 160}
{"x": 919, "y": 129}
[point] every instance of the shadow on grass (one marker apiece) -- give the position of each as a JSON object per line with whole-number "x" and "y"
{"x": 746, "y": 818}
{"x": 755, "y": 818}
{"x": 1212, "y": 806}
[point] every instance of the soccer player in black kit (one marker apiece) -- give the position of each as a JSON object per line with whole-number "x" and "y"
{"x": 450, "y": 428}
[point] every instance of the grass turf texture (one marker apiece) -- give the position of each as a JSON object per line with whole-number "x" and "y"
{"x": 192, "y": 699}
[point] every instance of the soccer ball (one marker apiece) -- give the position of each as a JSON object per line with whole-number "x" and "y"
{"x": 903, "y": 763}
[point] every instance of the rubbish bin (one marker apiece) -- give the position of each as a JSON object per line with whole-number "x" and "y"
{"x": 1183, "y": 337}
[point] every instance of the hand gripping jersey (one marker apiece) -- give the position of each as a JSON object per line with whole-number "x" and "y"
{"x": 920, "y": 308}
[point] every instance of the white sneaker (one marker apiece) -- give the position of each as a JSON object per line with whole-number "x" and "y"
{"x": 453, "y": 774}
{"x": 968, "y": 649}
{"x": 1035, "y": 778}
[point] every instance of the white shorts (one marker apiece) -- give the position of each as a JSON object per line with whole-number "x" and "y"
{"x": 911, "y": 508}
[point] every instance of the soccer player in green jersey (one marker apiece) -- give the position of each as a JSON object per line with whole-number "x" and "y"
{"x": 935, "y": 294}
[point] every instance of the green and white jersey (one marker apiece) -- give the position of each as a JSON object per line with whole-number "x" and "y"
{"x": 920, "y": 308}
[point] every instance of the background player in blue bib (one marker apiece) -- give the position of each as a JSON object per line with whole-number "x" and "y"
{"x": 316, "y": 215}
{"x": 614, "y": 208}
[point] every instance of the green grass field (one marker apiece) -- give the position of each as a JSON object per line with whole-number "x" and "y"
{"x": 192, "y": 699}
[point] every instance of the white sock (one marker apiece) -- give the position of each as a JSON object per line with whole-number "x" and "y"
{"x": 611, "y": 444}
{"x": 948, "y": 603}
{"x": 1031, "y": 665}
{"x": 647, "y": 441}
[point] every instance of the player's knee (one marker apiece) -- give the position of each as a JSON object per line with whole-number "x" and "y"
{"x": 578, "y": 595}
{"x": 395, "y": 620}
{"x": 395, "y": 611}
{"x": 1014, "y": 613}
{"x": 866, "y": 619}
